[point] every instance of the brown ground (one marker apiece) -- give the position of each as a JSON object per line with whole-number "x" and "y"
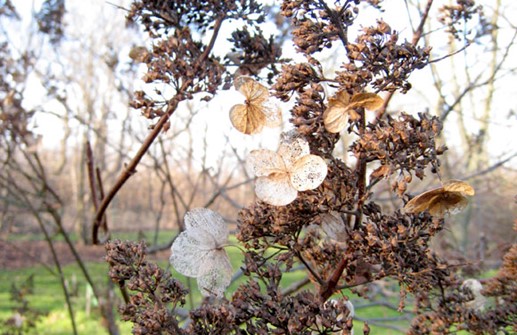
{"x": 22, "y": 254}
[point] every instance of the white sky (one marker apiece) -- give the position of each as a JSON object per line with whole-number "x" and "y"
{"x": 502, "y": 128}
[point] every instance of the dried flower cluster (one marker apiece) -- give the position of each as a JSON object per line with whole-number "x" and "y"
{"x": 151, "y": 308}
{"x": 316, "y": 212}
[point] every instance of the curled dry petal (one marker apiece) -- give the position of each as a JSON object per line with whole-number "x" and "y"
{"x": 341, "y": 108}
{"x": 275, "y": 190}
{"x": 308, "y": 172}
{"x": 262, "y": 163}
{"x": 459, "y": 186}
{"x": 449, "y": 199}
{"x": 335, "y": 116}
{"x": 370, "y": 101}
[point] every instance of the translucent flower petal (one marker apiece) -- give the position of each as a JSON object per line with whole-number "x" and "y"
{"x": 215, "y": 274}
{"x": 292, "y": 147}
{"x": 275, "y": 190}
{"x": 308, "y": 172}
{"x": 262, "y": 163}
{"x": 187, "y": 254}
{"x": 333, "y": 225}
{"x": 247, "y": 119}
{"x": 273, "y": 114}
{"x": 207, "y": 227}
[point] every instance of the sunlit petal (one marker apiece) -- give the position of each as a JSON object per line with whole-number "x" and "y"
{"x": 335, "y": 119}
{"x": 262, "y": 163}
{"x": 254, "y": 92}
{"x": 308, "y": 172}
{"x": 292, "y": 147}
{"x": 275, "y": 190}
{"x": 459, "y": 186}
{"x": 247, "y": 119}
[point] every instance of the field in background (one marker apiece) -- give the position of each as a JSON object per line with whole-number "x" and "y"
{"x": 47, "y": 296}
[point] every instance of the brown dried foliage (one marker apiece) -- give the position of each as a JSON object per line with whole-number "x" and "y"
{"x": 278, "y": 238}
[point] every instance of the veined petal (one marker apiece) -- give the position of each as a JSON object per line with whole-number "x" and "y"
{"x": 275, "y": 190}
{"x": 215, "y": 273}
{"x": 207, "y": 227}
{"x": 263, "y": 162}
{"x": 292, "y": 147}
{"x": 247, "y": 119}
{"x": 187, "y": 252}
{"x": 308, "y": 172}
{"x": 370, "y": 101}
{"x": 254, "y": 92}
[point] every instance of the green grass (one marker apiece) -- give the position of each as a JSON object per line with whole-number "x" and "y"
{"x": 48, "y": 295}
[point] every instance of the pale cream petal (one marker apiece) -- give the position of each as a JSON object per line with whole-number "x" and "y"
{"x": 292, "y": 147}
{"x": 275, "y": 190}
{"x": 247, "y": 119}
{"x": 262, "y": 163}
{"x": 308, "y": 172}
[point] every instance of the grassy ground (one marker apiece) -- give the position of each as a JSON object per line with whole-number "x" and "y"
{"x": 48, "y": 295}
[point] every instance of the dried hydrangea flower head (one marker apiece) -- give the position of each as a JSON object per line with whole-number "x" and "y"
{"x": 198, "y": 251}
{"x": 342, "y": 106}
{"x": 257, "y": 111}
{"x": 451, "y": 198}
{"x": 280, "y": 175}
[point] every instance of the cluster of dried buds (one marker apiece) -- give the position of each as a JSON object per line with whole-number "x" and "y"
{"x": 314, "y": 210}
